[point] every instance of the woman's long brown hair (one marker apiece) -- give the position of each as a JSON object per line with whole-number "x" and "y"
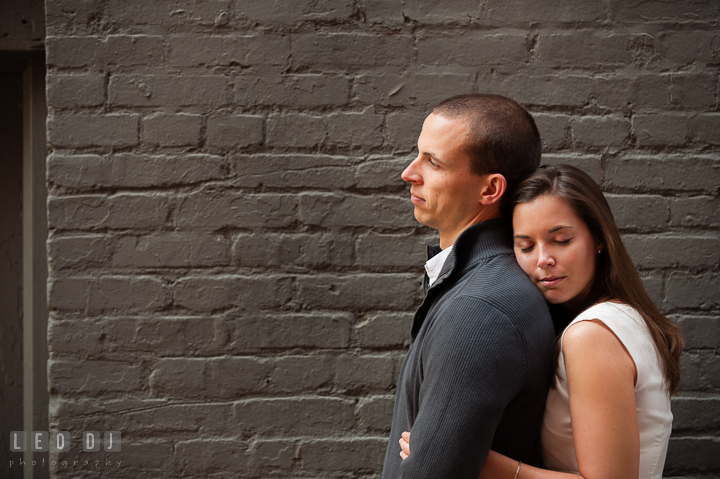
{"x": 615, "y": 275}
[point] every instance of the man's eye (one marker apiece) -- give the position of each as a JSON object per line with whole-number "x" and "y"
{"x": 432, "y": 163}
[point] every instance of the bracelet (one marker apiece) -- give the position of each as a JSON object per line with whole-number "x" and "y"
{"x": 517, "y": 471}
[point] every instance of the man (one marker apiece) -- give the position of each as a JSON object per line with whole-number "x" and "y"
{"x": 479, "y": 365}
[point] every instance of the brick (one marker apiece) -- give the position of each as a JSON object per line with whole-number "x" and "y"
{"x": 382, "y": 251}
{"x": 81, "y": 251}
{"x": 76, "y": 18}
{"x": 161, "y": 336}
{"x": 425, "y": 12}
{"x": 384, "y": 330}
{"x": 661, "y": 129}
{"x": 203, "y": 457}
{"x": 169, "y": 12}
{"x": 340, "y": 51}
{"x": 294, "y": 416}
{"x": 472, "y": 48}
{"x": 268, "y": 456}
{"x": 77, "y": 212}
{"x": 313, "y": 90}
{"x": 295, "y": 130}
{"x": 161, "y": 89}
{"x": 285, "y": 251}
{"x": 181, "y": 129}
{"x": 137, "y": 210}
{"x": 669, "y": 173}
{"x": 701, "y": 371}
{"x": 639, "y": 212}
{"x": 693, "y": 454}
{"x": 422, "y": 89}
{"x": 119, "y": 211}
{"x": 293, "y": 171}
{"x": 693, "y": 414}
{"x": 672, "y": 250}
{"x": 591, "y": 50}
{"x": 684, "y": 290}
{"x": 364, "y": 372}
{"x": 107, "y": 294}
{"x": 282, "y": 13}
{"x": 700, "y": 332}
{"x": 292, "y": 374}
{"x": 359, "y": 454}
{"x": 641, "y": 91}
{"x": 360, "y": 292}
{"x": 229, "y": 131}
{"x": 92, "y": 377}
{"x": 600, "y": 132}
{"x": 403, "y": 130}
{"x": 214, "y": 209}
{"x": 211, "y": 293}
{"x": 695, "y": 211}
{"x": 132, "y": 170}
{"x": 353, "y": 129}
{"x": 660, "y": 11}
{"x": 692, "y": 91}
{"x": 73, "y": 91}
{"x": 113, "y": 50}
{"x": 685, "y": 48}
{"x": 73, "y": 130}
{"x": 653, "y": 284}
{"x": 542, "y": 90}
{"x": 554, "y": 130}
{"x": 171, "y": 250}
{"x": 380, "y": 172}
{"x": 333, "y": 210}
{"x": 705, "y": 128}
{"x": 160, "y": 418}
{"x": 375, "y": 414}
{"x": 381, "y": 12}
{"x": 143, "y": 417}
{"x": 227, "y": 377}
{"x": 592, "y": 165}
{"x": 212, "y": 50}
{"x": 256, "y": 333}
{"x": 500, "y": 13}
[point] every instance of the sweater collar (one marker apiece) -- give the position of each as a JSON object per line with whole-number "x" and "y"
{"x": 480, "y": 241}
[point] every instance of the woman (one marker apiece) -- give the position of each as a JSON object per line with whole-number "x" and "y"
{"x": 616, "y": 364}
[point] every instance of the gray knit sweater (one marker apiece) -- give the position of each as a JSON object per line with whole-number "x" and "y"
{"x": 479, "y": 365}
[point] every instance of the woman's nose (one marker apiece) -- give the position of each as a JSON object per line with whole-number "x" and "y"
{"x": 545, "y": 258}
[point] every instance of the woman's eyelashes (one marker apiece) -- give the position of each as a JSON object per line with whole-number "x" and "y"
{"x": 526, "y": 248}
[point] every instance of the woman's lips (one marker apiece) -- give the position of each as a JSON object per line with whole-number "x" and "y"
{"x": 551, "y": 281}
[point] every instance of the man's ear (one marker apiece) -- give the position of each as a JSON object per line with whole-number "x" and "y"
{"x": 493, "y": 189}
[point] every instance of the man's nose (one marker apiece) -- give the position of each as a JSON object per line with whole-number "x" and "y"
{"x": 410, "y": 174}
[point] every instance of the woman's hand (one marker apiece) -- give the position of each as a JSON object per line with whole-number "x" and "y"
{"x": 405, "y": 445}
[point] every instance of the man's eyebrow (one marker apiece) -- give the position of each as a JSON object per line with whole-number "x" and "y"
{"x": 433, "y": 156}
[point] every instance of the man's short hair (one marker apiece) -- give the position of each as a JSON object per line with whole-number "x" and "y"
{"x": 502, "y": 135}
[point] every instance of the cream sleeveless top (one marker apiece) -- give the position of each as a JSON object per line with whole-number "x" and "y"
{"x": 651, "y": 397}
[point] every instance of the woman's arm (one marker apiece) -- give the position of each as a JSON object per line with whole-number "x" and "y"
{"x": 601, "y": 381}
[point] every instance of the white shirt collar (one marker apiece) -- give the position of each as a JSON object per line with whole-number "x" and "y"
{"x": 434, "y": 265}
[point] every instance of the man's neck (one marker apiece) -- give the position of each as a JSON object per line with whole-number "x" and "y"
{"x": 447, "y": 238}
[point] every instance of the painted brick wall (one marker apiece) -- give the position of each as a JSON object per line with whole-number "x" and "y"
{"x": 234, "y": 262}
